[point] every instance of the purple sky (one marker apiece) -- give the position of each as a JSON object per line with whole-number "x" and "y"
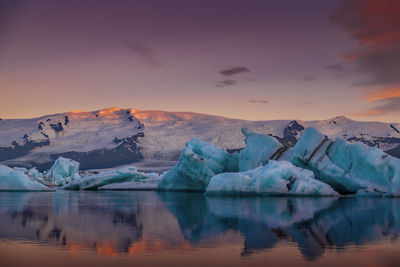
{"x": 247, "y": 59}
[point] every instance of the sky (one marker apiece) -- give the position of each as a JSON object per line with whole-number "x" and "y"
{"x": 246, "y": 59}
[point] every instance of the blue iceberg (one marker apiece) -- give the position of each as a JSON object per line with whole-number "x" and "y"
{"x": 63, "y": 171}
{"x": 198, "y": 162}
{"x": 348, "y": 168}
{"x": 259, "y": 149}
{"x": 19, "y": 180}
{"x": 275, "y": 178}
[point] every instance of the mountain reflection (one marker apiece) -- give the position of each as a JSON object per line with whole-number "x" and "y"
{"x": 114, "y": 223}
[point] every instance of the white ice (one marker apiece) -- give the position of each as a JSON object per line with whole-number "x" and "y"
{"x": 276, "y": 178}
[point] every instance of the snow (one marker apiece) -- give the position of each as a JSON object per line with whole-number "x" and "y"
{"x": 82, "y": 132}
{"x": 17, "y": 180}
{"x": 165, "y": 133}
{"x": 277, "y": 177}
{"x": 259, "y": 149}
{"x": 199, "y": 161}
{"x": 100, "y": 180}
{"x": 62, "y": 172}
{"x": 347, "y": 167}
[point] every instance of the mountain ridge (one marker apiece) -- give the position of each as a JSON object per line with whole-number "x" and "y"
{"x": 116, "y": 136}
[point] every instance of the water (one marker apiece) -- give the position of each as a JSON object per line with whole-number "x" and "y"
{"x": 173, "y": 229}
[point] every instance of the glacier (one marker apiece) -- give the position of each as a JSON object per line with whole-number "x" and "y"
{"x": 275, "y": 178}
{"x": 63, "y": 171}
{"x": 19, "y": 180}
{"x": 198, "y": 162}
{"x": 259, "y": 149}
{"x": 348, "y": 168}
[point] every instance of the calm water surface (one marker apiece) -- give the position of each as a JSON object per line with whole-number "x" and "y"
{"x": 173, "y": 229}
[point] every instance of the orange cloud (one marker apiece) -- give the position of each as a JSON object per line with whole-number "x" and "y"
{"x": 383, "y": 93}
{"x": 371, "y": 112}
{"x": 387, "y": 100}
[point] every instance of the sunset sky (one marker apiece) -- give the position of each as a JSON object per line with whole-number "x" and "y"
{"x": 249, "y": 59}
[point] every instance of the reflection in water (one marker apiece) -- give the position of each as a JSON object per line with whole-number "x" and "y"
{"x": 115, "y": 223}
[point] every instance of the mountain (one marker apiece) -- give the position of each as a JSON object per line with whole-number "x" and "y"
{"x": 153, "y": 140}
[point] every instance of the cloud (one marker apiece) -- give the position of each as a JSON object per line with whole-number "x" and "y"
{"x": 375, "y": 25}
{"x": 337, "y": 68}
{"x": 234, "y": 71}
{"x": 306, "y": 78}
{"x": 148, "y": 54}
{"x": 225, "y": 83}
{"x": 255, "y": 101}
{"x": 387, "y": 100}
{"x": 391, "y": 105}
{"x": 383, "y": 93}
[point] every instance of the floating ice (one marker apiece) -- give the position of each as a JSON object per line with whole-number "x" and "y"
{"x": 199, "y": 161}
{"x": 259, "y": 149}
{"x": 35, "y": 174}
{"x": 94, "y": 182}
{"x": 275, "y": 178}
{"x": 142, "y": 181}
{"x": 62, "y": 172}
{"x": 17, "y": 180}
{"x": 348, "y": 168}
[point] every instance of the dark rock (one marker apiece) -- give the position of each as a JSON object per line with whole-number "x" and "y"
{"x": 57, "y": 127}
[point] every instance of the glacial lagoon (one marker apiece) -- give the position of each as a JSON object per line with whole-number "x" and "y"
{"x": 146, "y": 228}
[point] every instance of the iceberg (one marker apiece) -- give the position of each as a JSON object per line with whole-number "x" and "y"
{"x": 143, "y": 181}
{"x": 275, "y": 178}
{"x": 62, "y": 172}
{"x": 33, "y": 172}
{"x": 259, "y": 149}
{"x": 198, "y": 162}
{"x": 100, "y": 180}
{"x": 17, "y": 180}
{"x": 348, "y": 168}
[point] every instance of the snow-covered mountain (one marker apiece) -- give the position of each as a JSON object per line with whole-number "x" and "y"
{"x": 154, "y": 139}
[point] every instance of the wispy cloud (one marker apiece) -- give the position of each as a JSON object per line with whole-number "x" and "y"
{"x": 145, "y": 52}
{"x": 225, "y": 83}
{"x": 234, "y": 71}
{"x": 387, "y": 100}
{"x": 391, "y": 105}
{"x": 375, "y": 25}
{"x": 261, "y": 101}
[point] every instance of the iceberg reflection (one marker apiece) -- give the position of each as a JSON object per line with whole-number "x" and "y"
{"x": 148, "y": 222}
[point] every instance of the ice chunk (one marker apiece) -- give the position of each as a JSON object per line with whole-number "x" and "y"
{"x": 348, "y": 168}
{"x": 259, "y": 149}
{"x": 93, "y": 182}
{"x": 62, "y": 172}
{"x": 198, "y": 162}
{"x": 143, "y": 181}
{"x": 35, "y": 174}
{"x": 17, "y": 180}
{"x": 276, "y": 178}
